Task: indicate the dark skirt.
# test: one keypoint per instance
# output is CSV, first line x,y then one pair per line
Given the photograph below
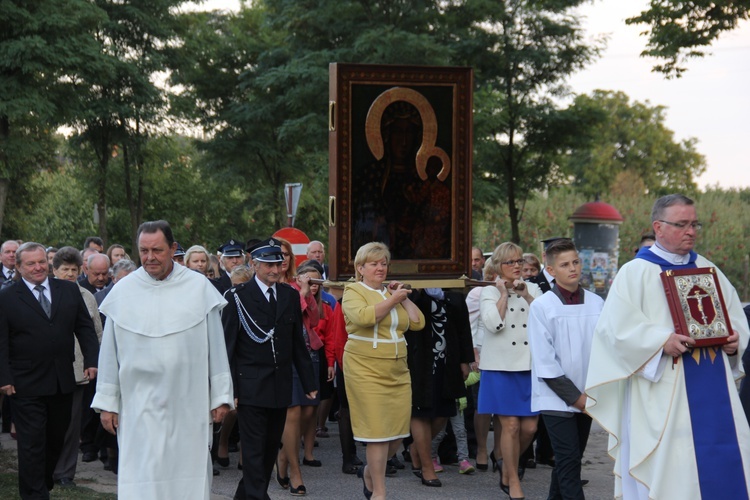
x,y
298,393
441,406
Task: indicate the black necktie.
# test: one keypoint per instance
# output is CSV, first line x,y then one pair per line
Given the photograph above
x,y
272,302
44,301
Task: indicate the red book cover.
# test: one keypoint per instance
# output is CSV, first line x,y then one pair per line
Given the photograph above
x,y
697,305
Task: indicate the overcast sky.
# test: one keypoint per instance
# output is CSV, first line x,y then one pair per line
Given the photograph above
x,y
710,102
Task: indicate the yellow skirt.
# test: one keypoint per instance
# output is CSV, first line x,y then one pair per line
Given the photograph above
x,y
379,393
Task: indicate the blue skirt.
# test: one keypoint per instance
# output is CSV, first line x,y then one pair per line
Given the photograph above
x,y
505,393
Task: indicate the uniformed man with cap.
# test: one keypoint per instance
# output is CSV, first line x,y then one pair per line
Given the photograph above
x,y
179,255
263,332
232,255
544,279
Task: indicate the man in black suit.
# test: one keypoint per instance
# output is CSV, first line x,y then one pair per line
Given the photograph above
x,y
97,277
8,258
317,251
263,332
544,280
232,256
38,318
477,263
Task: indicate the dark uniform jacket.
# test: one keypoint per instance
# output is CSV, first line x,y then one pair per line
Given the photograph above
x,y
541,281
223,282
259,378
36,352
459,349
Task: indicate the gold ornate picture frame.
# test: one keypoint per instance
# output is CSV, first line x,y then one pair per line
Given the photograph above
x,y
400,152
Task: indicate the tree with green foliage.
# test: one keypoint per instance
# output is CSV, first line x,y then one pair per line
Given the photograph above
x,y
630,138
521,51
122,101
45,47
175,186
679,30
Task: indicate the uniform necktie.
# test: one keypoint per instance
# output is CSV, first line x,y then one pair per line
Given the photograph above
x,y
10,274
43,300
272,302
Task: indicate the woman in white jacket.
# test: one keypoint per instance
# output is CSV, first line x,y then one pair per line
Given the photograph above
x,y
505,363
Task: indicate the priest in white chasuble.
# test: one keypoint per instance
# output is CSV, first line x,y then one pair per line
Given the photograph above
x,y
677,429
165,376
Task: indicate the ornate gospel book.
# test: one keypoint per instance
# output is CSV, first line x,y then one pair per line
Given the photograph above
x,y
697,305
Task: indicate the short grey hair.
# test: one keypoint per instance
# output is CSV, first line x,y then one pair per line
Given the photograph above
x,y
2,247
123,265
97,255
29,246
667,201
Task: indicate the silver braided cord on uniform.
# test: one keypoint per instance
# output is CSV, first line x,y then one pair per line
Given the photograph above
x,y
242,313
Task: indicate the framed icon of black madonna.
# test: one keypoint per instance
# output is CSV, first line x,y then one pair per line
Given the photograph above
x,y
400,153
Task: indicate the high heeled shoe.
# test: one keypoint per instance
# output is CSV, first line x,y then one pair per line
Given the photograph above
x,y
299,491
283,481
504,488
223,461
434,483
493,460
361,475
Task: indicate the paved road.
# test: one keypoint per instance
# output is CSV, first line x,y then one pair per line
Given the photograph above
x,y
327,482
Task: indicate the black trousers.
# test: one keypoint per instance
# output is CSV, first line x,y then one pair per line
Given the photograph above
x,y
568,436
260,435
41,423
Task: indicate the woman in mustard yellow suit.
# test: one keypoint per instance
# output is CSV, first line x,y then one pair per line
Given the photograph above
x,y
378,385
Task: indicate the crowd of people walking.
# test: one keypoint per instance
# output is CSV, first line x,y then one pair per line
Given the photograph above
x,y
163,370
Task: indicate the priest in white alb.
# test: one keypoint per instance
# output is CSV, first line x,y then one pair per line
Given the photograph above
x,y
164,373
677,429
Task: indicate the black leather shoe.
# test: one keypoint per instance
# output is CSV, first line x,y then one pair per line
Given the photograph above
x,y
357,461
417,471
504,488
394,461
390,470
89,456
65,482
299,491
349,469
216,472
311,463
584,482
223,461
434,483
